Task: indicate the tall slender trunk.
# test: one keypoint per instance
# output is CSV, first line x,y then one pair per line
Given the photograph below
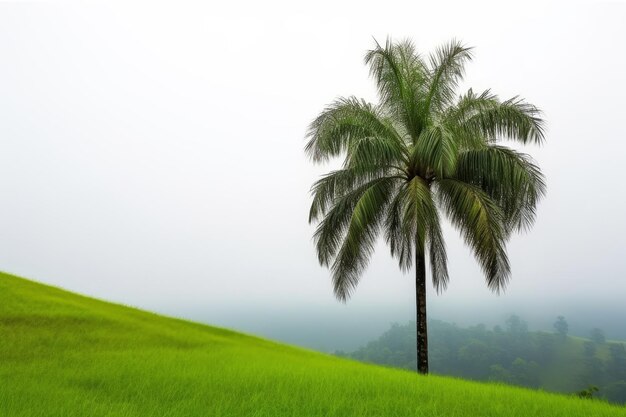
x,y
420,297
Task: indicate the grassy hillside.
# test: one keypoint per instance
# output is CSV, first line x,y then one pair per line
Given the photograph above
x,y
65,355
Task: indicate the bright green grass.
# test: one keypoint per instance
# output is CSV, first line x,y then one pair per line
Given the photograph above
x,y
65,355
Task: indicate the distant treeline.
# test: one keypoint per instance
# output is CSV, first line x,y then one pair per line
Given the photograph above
x,y
511,354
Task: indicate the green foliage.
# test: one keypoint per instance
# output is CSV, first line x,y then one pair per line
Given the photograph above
x,y
588,392
513,355
421,152
64,355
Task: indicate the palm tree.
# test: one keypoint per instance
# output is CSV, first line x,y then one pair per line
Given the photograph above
x,y
422,151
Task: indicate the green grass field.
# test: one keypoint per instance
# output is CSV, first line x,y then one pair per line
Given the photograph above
x,y
65,355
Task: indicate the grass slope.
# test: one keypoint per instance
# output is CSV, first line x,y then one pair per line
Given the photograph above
x,y
65,355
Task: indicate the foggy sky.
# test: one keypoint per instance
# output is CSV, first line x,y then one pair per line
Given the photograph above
x,y
152,154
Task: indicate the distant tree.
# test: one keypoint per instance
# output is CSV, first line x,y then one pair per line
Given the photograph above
x,y
587,392
561,326
516,325
597,335
421,153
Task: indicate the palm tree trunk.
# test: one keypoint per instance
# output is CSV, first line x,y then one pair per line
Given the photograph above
x,y
420,296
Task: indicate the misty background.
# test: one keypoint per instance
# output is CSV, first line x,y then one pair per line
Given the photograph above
x,y
152,154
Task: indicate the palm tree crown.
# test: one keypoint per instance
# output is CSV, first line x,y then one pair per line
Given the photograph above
x,y
421,152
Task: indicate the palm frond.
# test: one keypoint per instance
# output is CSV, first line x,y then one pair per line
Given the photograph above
x,y
336,184
358,243
412,222
400,75
399,236
330,232
438,256
447,68
480,222
371,152
486,116
510,178
419,210
345,123
436,150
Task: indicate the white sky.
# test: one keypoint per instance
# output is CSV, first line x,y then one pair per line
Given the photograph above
x,y
153,154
